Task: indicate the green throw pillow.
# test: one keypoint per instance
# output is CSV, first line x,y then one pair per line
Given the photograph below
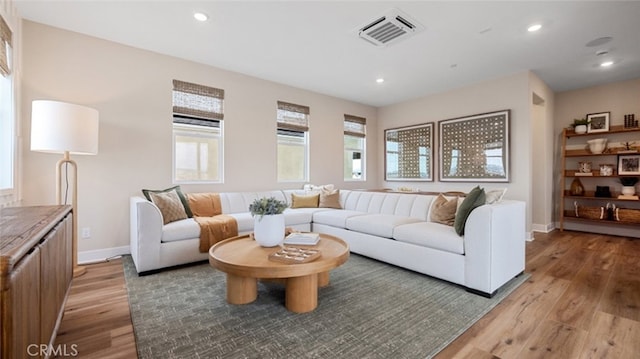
x,y
183,198
474,199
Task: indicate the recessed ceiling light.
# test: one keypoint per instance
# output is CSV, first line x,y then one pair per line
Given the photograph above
x,y
200,16
606,64
534,28
380,80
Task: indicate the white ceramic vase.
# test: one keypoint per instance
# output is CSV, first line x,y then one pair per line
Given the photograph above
x,y
579,129
268,230
628,190
597,145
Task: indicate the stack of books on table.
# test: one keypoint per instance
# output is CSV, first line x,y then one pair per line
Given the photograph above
x,y
300,238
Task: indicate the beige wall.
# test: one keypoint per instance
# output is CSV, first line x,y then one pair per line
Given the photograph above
x,y
542,158
619,98
131,88
507,93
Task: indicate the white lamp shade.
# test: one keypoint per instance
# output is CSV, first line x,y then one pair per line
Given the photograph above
x,y
58,127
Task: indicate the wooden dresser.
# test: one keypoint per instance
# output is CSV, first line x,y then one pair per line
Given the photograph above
x,y
35,276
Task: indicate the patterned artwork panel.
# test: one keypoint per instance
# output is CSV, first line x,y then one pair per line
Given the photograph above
x,y
475,148
409,153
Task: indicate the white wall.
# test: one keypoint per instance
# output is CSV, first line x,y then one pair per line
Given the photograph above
x,y
506,93
131,88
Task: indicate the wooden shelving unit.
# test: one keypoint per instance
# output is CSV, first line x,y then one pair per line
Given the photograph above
x,y
567,212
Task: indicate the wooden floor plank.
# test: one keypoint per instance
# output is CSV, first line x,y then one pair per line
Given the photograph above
x,y
554,340
580,302
622,295
613,337
507,336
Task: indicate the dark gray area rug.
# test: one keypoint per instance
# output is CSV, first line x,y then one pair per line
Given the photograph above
x,y
369,310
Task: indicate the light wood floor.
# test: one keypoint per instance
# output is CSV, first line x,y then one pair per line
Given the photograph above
x,y
582,301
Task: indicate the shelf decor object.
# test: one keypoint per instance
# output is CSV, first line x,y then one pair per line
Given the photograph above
x,y
409,153
577,189
475,148
59,127
579,125
597,145
629,164
598,122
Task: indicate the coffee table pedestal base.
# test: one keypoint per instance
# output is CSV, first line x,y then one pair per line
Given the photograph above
x,y
241,290
302,293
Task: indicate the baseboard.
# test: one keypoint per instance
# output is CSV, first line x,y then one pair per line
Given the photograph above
x,y
528,236
100,255
544,228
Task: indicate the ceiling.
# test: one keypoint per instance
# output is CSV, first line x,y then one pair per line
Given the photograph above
x,y
315,45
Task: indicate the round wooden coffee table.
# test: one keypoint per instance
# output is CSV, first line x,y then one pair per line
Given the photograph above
x,y
245,261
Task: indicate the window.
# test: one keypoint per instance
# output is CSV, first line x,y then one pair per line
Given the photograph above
x,y
197,133
7,115
293,142
354,145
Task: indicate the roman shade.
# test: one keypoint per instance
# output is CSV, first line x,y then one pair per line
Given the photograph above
x,y
292,117
195,104
5,44
354,125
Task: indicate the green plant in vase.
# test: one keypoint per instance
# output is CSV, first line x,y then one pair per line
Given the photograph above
x,y
579,125
628,185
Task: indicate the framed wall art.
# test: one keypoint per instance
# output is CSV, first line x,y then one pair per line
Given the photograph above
x,y
409,153
598,122
475,148
629,164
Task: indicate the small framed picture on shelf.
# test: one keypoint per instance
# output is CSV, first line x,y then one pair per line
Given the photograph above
x,y
598,122
629,165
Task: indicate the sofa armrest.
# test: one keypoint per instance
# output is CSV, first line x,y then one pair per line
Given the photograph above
x,y
145,234
494,244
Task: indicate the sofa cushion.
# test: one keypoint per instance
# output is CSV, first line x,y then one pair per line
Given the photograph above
x,y
180,230
430,234
244,221
169,205
183,198
330,199
299,215
305,201
381,225
475,198
336,218
443,211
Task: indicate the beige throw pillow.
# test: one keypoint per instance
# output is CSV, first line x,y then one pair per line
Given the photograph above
x,y
305,201
170,206
444,211
330,199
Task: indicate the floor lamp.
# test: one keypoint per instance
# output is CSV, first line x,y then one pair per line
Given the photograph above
x,y
59,127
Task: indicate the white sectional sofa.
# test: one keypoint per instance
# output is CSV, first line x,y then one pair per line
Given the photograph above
x,y
390,227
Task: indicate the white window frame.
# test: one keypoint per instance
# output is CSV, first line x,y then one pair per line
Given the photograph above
x,y
180,129
283,139
363,158
197,112
8,132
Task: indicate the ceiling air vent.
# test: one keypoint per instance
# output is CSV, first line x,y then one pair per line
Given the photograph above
x,y
389,28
